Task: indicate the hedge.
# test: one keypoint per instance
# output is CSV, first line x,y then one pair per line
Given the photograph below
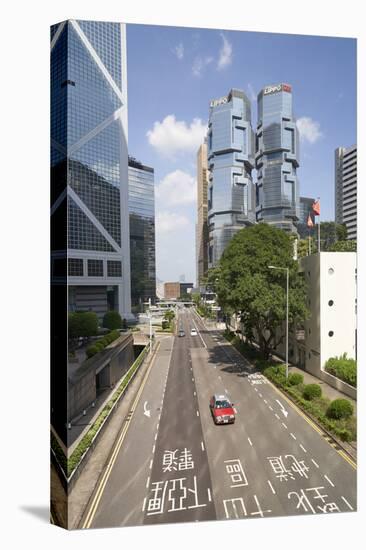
x,y
100,344
112,320
295,378
343,368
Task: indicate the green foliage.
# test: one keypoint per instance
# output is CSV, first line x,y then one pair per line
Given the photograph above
x,y
91,350
330,233
165,324
344,246
100,344
82,323
312,391
112,320
295,378
343,368
169,315
245,284
340,408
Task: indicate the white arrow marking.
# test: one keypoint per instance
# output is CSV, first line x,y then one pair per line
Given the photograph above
x,y
283,410
146,411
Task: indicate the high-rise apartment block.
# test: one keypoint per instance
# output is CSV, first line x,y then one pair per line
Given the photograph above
x,y
231,192
141,206
345,185
202,225
277,158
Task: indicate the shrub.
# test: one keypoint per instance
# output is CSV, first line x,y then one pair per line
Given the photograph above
x,y
340,408
295,378
82,323
312,391
165,324
112,320
344,368
91,350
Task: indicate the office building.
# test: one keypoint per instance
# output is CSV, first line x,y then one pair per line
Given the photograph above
x,y
277,158
305,210
201,226
346,189
172,290
89,162
230,154
141,206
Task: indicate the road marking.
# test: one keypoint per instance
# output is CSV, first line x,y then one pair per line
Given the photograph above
x,y
313,461
226,391
156,436
284,425
220,378
209,494
265,400
293,436
348,504
151,463
148,481
271,486
202,446
276,415
250,443
103,481
283,410
199,334
153,449
194,393
198,413
270,408
260,395
255,389
303,448
351,462
329,481
143,506
192,379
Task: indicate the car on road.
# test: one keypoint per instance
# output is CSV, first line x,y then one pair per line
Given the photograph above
x,y
181,332
193,332
222,409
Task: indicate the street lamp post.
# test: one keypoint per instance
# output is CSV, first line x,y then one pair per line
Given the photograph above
x,y
287,278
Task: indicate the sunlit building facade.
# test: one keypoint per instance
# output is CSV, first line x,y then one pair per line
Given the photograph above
x,y
230,153
277,158
201,226
346,189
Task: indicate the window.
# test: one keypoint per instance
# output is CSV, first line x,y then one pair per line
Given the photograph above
x,y
95,268
330,271
330,303
75,266
114,268
330,333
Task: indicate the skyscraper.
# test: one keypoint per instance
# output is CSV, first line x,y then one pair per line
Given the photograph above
x,y
231,193
89,162
305,210
345,185
142,233
277,158
201,227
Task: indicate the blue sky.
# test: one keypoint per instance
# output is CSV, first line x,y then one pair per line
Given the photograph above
x,y
174,72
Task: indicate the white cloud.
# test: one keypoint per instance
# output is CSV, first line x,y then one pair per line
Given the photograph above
x,y
200,63
171,137
226,53
309,129
166,222
179,51
176,188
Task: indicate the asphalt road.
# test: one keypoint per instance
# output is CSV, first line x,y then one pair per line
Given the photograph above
x,y
172,464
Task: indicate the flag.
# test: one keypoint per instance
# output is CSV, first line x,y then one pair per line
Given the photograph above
x,y
316,207
310,223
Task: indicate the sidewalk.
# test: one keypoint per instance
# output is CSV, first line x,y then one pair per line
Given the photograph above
x,y
85,485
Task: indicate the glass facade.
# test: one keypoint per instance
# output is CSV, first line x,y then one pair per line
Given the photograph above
x,y
141,205
89,159
231,193
277,158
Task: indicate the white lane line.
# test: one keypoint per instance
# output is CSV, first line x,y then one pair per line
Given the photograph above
x,y
148,481
144,504
284,425
209,494
255,389
276,415
153,449
194,393
329,481
198,413
226,391
220,378
293,436
271,486
199,334
265,400
260,395
202,446
348,504
303,448
156,436
270,408
151,463
313,461
192,379
250,443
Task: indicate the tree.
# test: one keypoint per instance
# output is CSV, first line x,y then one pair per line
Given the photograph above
x,y
112,320
330,233
245,285
344,246
303,247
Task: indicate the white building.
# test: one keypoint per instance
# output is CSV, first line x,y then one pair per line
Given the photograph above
x,y
331,329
